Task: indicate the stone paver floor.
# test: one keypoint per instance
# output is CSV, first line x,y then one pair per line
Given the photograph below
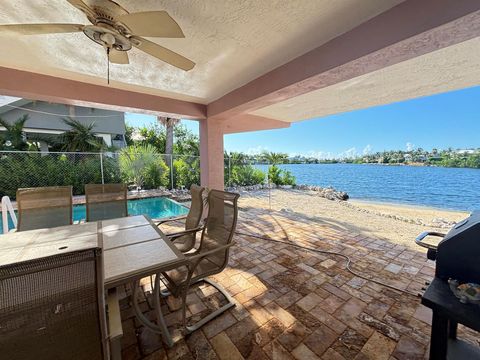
x,y
293,303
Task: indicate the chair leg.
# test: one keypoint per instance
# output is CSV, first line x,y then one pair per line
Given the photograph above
x,y
230,303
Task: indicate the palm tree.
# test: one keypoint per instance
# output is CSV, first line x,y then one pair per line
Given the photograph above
x,y
14,137
136,161
169,124
81,137
275,158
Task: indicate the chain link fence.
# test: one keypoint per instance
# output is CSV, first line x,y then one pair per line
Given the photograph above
x,y
22,169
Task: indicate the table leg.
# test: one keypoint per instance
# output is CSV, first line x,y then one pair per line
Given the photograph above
x,y
452,329
161,327
439,337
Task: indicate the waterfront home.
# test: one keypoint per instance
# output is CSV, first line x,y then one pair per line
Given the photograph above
x,y
237,66
45,119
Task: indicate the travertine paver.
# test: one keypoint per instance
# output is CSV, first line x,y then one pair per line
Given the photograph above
x,y
293,303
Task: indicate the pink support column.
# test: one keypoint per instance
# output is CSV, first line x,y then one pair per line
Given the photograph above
x,y
211,153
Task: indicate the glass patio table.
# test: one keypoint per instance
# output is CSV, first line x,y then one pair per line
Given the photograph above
x,y
133,248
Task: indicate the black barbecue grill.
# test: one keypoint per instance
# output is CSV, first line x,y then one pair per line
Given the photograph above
x,y
457,257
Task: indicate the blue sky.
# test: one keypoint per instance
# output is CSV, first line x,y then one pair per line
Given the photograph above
x,y
440,121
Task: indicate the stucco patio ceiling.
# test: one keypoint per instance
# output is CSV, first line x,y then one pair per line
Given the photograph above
x,y
232,42
447,69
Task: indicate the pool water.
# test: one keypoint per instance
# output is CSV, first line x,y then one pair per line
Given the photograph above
x,y
155,207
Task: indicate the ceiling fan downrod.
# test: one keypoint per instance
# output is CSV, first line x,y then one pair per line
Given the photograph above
x,y
108,42
108,65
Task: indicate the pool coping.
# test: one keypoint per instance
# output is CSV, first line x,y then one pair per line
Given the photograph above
x,y
136,195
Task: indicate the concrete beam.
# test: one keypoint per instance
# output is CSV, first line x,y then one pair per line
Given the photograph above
x,y
408,30
246,122
53,89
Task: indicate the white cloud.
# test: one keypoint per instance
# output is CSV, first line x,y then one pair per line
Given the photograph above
x,y
367,149
320,155
348,154
256,150
410,146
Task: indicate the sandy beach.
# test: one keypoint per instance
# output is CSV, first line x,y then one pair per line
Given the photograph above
x,y
397,223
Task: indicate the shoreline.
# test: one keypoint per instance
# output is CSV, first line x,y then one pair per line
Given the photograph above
x,y
367,202
398,224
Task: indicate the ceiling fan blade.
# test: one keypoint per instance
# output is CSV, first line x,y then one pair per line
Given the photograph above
x,y
35,29
162,53
152,24
118,57
80,5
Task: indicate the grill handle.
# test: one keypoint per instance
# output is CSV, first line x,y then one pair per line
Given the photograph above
x,y
422,236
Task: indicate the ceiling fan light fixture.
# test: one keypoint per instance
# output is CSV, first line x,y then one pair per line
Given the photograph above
x,y
108,39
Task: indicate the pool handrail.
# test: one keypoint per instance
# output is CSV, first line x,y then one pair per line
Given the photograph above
x,y
7,209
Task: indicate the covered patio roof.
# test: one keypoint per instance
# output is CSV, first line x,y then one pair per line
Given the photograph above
x,y
259,65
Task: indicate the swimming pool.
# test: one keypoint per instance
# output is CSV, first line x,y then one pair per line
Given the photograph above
x,y
155,207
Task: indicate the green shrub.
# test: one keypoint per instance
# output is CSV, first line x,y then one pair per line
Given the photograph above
x,y
278,176
186,173
287,178
275,175
246,175
34,170
142,166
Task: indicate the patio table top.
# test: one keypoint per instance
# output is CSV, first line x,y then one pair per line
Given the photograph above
x,y
133,247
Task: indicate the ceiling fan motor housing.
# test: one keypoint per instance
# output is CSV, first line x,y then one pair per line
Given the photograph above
x,y
105,30
107,37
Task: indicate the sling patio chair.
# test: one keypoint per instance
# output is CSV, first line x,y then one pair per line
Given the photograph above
x,y
44,207
106,201
211,257
53,307
185,240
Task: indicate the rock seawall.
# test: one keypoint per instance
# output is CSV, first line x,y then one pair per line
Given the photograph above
x,y
328,193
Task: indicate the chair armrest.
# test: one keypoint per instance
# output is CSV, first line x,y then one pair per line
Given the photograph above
x,y
160,222
174,236
115,330
199,256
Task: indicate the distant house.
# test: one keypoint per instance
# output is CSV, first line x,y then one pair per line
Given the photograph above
x,y
46,119
466,151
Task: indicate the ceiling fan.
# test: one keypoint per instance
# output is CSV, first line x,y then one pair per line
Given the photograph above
x,y
117,31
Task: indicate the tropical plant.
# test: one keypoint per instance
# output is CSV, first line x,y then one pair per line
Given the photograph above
x,y
287,178
81,137
186,142
13,138
32,169
143,166
246,175
274,175
274,158
186,172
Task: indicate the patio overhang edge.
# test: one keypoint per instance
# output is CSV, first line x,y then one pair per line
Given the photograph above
x,y
36,86
380,42
247,122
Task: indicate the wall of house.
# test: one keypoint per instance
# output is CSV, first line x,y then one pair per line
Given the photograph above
x,y
113,124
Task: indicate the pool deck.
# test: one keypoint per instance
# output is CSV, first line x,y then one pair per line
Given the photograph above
x,y
297,304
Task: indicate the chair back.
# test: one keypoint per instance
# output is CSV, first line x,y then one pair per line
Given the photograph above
x,y
220,225
194,215
44,207
53,308
106,201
